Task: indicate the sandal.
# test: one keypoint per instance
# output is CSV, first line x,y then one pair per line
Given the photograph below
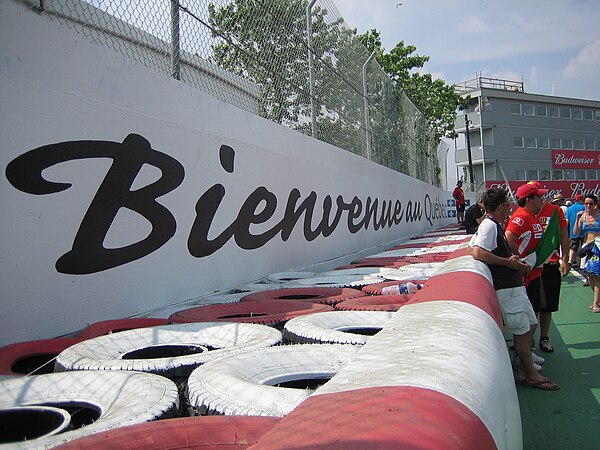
x,y
544,384
596,309
545,345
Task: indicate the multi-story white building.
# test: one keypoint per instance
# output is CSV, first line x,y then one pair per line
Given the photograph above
x,y
515,137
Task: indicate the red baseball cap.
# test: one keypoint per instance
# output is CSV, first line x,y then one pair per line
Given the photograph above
x,y
579,198
531,188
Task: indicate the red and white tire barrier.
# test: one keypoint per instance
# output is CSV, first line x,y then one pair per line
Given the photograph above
x,y
437,376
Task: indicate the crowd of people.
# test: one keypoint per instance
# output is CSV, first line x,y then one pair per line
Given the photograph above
x,y
527,266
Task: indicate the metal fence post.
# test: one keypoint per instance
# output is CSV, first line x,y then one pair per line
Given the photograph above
x,y
175,51
311,69
366,103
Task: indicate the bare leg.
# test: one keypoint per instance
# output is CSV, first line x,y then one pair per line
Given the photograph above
x,y
522,347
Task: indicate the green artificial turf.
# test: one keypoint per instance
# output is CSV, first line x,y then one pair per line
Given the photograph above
x,y
570,417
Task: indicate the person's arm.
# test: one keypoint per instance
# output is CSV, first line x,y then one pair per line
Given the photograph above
x,y
564,251
578,223
511,238
488,257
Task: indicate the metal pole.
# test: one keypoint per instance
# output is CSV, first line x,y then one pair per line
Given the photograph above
x,y
311,69
366,103
472,179
175,51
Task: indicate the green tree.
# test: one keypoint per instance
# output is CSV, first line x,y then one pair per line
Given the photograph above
x,y
434,98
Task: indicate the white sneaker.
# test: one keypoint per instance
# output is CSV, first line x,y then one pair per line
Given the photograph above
x,y
537,359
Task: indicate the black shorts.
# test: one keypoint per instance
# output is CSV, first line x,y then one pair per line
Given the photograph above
x,y
533,292
550,288
460,208
575,243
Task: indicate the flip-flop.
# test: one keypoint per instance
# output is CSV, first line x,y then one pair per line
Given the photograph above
x,y
545,384
596,310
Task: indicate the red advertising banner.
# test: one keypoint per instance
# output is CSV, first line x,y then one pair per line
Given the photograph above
x,y
568,189
575,159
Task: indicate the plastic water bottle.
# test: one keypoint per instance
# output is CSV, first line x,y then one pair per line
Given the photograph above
x,y
403,288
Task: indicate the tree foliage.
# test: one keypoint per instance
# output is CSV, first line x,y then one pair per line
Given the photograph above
x,y
434,98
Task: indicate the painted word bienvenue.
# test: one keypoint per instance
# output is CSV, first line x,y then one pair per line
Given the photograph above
x,y
88,254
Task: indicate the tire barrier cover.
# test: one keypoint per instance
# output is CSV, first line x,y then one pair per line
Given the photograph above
x,y
376,289
336,327
33,357
381,262
374,303
247,384
170,350
205,433
366,264
113,399
380,418
334,281
468,287
326,295
284,277
261,312
114,326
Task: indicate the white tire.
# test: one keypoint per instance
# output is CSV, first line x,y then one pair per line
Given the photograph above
x,y
334,281
113,352
335,327
284,277
245,384
116,398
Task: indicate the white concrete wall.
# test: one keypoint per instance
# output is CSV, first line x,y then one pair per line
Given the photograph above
x,y
58,90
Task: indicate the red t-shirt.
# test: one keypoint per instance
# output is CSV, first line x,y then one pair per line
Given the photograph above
x,y
458,195
529,231
544,217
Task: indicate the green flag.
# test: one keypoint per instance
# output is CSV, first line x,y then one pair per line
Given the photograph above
x,y
550,241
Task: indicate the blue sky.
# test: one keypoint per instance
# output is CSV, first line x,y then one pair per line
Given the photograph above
x,y
553,46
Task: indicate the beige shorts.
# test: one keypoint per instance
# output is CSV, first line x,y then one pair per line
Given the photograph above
x,y
517,311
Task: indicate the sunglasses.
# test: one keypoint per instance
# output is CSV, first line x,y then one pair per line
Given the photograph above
x,y
589,203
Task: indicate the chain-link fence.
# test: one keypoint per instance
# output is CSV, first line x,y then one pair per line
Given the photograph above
x,y
292,61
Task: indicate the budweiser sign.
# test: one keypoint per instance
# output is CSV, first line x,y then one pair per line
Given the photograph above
x,y
568,189
575,159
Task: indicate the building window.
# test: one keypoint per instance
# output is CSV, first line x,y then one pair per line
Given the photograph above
x,y
530,142
543,142
553,111
565,113
518,142
555,144
532,175
590,145
577,114
567,144
545,175
557,175
592,175
579,144
569,174
580,174
520,175
597,114
541,111
588,114
528,109
515,108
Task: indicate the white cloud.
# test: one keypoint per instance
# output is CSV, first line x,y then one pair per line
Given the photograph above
x,y
473,25
586,64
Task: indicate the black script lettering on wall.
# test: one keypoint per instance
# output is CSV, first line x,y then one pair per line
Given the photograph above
x,y
88,254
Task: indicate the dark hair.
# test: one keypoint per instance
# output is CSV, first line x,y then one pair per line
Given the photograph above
x,y
592,196
493,198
